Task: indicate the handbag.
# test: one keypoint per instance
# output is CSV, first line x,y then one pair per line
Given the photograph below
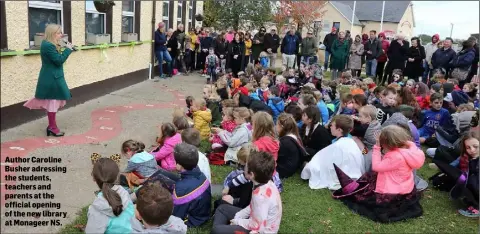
x,y
459,73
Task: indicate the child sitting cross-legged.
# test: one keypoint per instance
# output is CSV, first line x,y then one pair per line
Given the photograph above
x,y
192,193
192,136
112,211
164,151
263,90
237,188
140,166
154,211
436,116
368,116
228,124
264,213
275,103
201,118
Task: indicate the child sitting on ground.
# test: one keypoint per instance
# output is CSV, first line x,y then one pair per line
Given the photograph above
x,y
436,116
240,136
213,103
252,90
112,211
387,105
189,100
263,89
163,153
237,190
140,166
192,136
265,211
242,87
368,116
397,75
275,103
223,90
192,193
346,108
154,211
202,117
282,87
228,124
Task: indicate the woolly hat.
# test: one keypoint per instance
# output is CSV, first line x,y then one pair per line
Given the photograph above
x,y
349,186
436,87
372,86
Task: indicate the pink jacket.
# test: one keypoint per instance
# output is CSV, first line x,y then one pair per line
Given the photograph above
x,y
165,155
395,169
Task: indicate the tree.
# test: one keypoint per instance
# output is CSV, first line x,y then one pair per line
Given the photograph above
x,y
237,14
424,38
303,13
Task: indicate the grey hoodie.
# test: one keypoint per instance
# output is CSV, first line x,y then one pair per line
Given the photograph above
x,y
174,225
100,212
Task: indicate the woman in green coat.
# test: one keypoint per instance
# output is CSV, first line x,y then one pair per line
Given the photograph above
x,y
340,49
52,91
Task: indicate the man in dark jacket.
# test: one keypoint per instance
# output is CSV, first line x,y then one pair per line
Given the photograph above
x,y
206,41
443,56
397,55
309,48
474,68
373,50
179,34
271,42
328,41
298,33
257,43
161,49
289,48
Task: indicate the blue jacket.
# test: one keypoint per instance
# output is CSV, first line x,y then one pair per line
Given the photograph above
x,y
255,96
206,42
160,40
290,44
441,58
432,119
463,59
192,198
277,105
323,112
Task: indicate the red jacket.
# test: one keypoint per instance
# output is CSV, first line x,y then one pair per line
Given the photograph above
x,y
385,45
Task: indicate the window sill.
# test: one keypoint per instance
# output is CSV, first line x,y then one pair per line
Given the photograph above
x,y
7,53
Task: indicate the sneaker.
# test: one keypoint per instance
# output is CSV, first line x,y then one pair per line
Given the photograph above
x,y
470,212
433,166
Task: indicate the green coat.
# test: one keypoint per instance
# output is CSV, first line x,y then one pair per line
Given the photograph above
x,y
51,80
339,55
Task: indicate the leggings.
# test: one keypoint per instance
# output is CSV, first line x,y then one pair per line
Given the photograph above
x,y
221,220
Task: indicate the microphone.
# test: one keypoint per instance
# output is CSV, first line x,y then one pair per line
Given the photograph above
x,y
65,41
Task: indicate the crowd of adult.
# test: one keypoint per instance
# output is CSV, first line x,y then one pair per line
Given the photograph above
x,y
382,56
187,52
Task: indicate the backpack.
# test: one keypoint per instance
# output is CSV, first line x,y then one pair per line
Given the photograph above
x,y
264,62
212,61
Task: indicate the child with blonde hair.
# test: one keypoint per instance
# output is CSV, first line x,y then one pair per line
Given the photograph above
x,y
202,117
282,86
263,90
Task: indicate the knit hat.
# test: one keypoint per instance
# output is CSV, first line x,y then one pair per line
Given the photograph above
x,y
459,98
436,36
349,186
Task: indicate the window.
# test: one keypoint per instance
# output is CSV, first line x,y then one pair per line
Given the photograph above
x,y
190,11
128,16
337,26
166,13
95,22
3,27
42,13
179,12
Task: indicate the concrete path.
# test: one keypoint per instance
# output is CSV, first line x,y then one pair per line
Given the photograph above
x,y
100,125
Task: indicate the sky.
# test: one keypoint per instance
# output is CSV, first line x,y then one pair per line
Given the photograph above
x,y
435,17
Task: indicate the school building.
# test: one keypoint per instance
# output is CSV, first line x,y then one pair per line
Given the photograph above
x,y
115,47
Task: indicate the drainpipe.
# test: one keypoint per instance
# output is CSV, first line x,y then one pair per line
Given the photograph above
x,y
152,60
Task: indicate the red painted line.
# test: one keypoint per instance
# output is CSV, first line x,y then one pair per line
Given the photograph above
x,y
106,125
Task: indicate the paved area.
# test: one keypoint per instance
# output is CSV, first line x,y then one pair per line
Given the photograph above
x,y
99,125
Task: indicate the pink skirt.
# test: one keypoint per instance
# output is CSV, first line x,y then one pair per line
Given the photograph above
x,y
51,105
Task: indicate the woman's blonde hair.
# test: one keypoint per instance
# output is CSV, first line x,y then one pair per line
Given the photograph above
x,y
262,125
50,34
393,136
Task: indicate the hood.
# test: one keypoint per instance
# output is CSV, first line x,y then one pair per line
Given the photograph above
x,y
244,101
267,144
381,35
413,156
437,37
276,100
395,119
447,88
101,204
459,97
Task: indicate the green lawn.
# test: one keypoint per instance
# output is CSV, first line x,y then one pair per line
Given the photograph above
x,y
315,211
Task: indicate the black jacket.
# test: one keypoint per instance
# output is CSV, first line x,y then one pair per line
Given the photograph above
x,y
397,54
271,42
319,139
415,68
290,156
328,41
172,43
255,105
375,47
221,48
441,58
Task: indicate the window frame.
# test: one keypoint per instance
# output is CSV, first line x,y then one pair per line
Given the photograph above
x,y
190,12
129,14
46,5
166,18
3,34
95,12
179,17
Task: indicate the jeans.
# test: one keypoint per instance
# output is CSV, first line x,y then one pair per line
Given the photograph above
x,y
371,67
426,71
327,57
163,55
222,217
